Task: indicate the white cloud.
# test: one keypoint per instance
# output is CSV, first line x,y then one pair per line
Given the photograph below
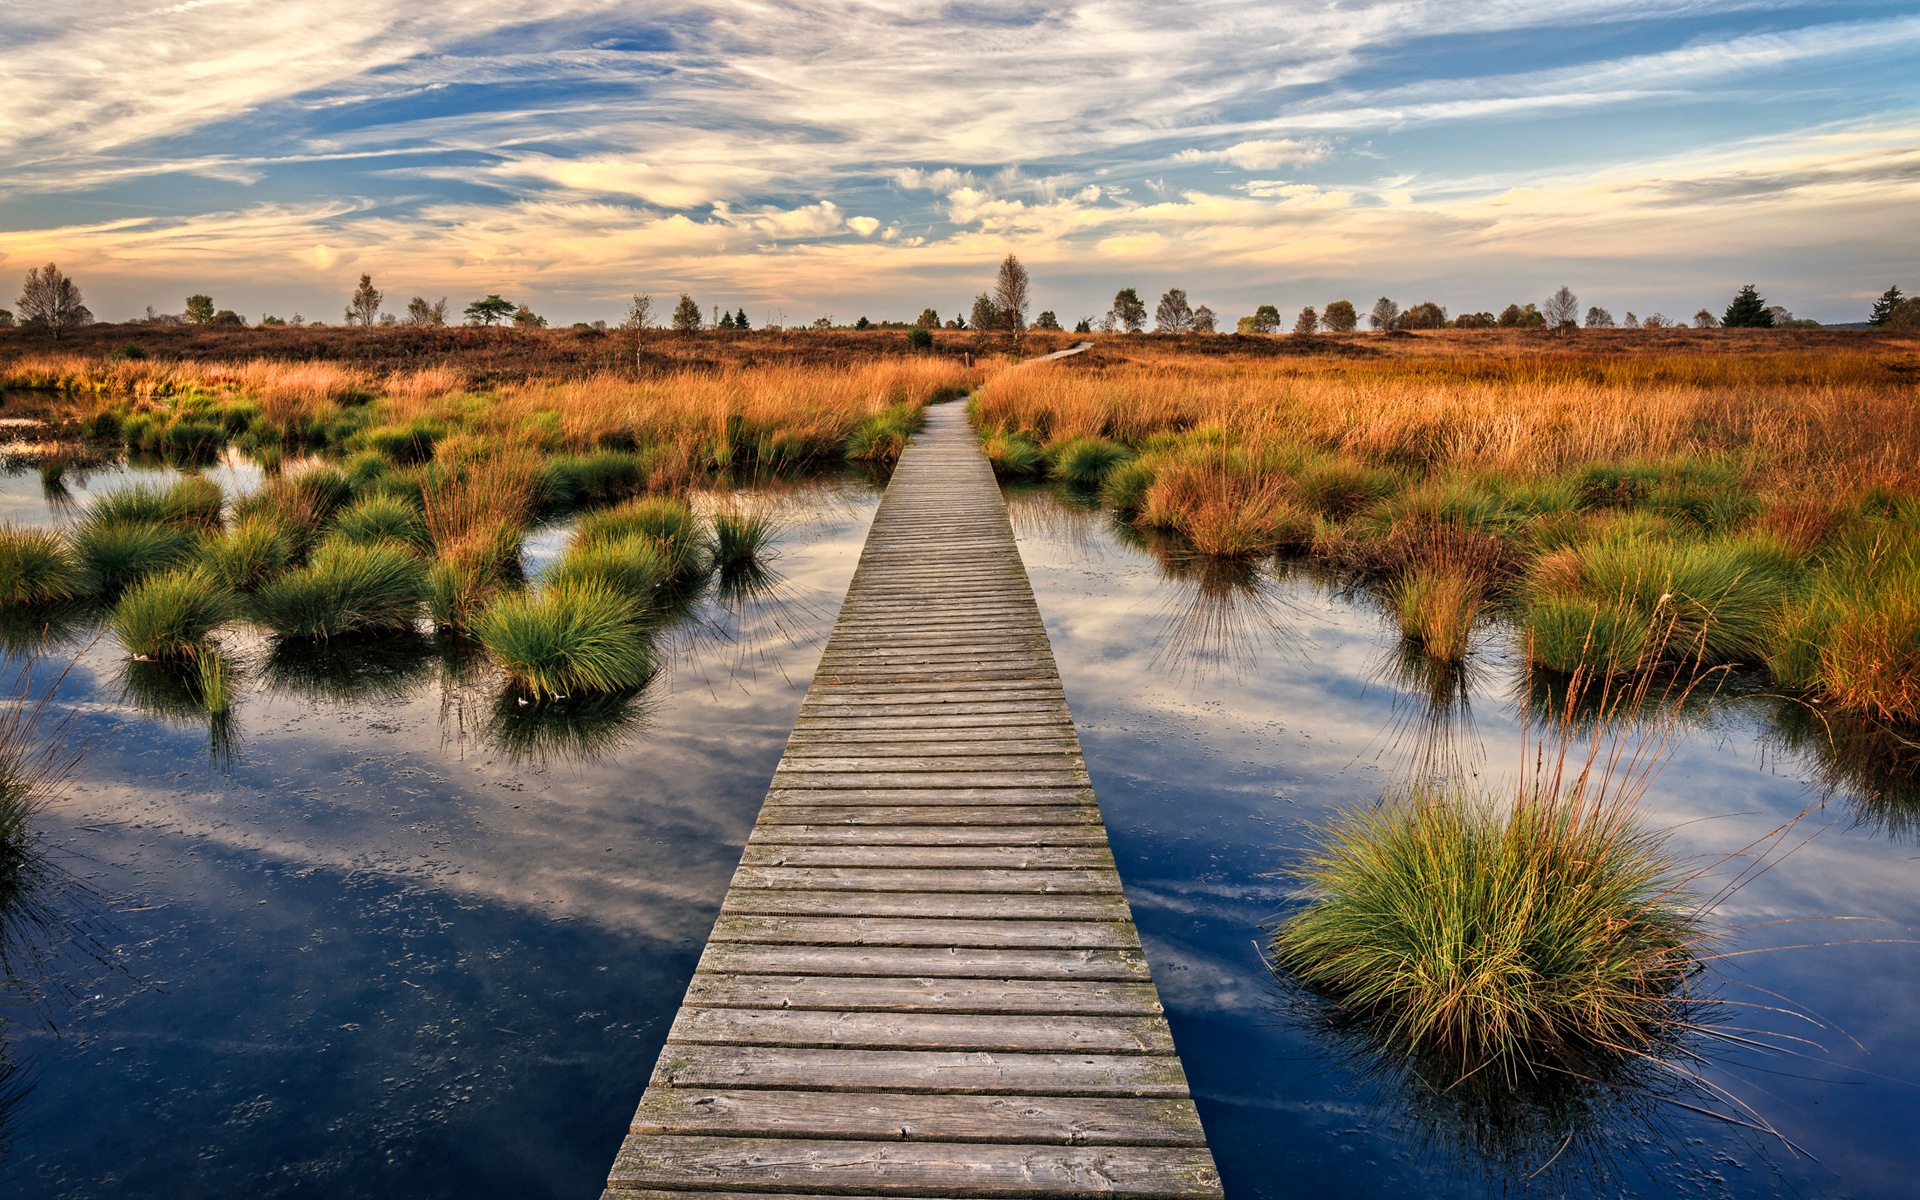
x,y
864,226
1262,155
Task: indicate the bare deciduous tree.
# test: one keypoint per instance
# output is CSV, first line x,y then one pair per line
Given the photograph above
x,y
419,312
1599,318
1385,313
1307,322
1012,294
639,313
1173,314
51,301
1562,309
1204,320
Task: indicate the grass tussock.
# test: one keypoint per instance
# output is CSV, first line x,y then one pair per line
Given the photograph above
x,y
117,554
668,522
37,567
578,638
168,617
190,503
1510,937
1086,461
347,588
1438,609
254,550
383,519
740,539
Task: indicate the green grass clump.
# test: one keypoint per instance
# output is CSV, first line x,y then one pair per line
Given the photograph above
x,y
1712,601
576,638
602,477
1014,456
348,587
1498,938
666,520
1437,610
635,566
116,554
469,574
1854,638
1087,461
192,503
404,444
740,539
881,438
382,519
302,504
36,567
253,551
168,616
1568,634
1125,487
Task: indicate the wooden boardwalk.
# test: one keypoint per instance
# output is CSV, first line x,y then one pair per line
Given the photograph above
x,y
925,980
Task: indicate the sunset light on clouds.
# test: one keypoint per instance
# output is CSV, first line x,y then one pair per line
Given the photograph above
x,y
806,159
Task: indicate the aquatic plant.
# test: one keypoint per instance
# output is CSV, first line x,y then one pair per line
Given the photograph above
x,y
36,567
412,442
666,520
1437,610
253,550
1507,936
1125,487
635,566
740,538
347,587
576,638
1014,456
1086,461
169,615
300,504
382,519
192,502
601,477
117,553
469,574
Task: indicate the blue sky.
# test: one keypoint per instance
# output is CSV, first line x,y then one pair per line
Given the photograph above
x,y
805,159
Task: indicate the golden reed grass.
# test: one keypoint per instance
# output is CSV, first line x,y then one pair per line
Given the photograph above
x,y
1820,423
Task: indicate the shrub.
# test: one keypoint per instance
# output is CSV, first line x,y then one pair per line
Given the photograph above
x,y
192,503
1499,937
169,615
1086,462
118,553
383,519
252,552
577,638
348,587
36,567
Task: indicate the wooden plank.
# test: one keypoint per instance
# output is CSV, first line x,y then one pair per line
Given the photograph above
x,y
1011,858
884,879
954,1072
1002,906
942,931
1075,1033
724,958
942,834
953,817
923,994
903,1116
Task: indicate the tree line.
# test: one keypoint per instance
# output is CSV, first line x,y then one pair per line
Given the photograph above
x,y
51,302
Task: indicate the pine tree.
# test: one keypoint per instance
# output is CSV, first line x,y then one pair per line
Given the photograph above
x,y
1884,306
726,321
1748,310
740,319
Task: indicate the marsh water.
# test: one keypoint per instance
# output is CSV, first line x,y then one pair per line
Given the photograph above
x,y
384,932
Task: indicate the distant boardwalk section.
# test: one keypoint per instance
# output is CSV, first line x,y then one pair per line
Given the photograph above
x,y
925,980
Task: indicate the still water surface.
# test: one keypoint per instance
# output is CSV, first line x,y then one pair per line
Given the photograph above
x,y
385,936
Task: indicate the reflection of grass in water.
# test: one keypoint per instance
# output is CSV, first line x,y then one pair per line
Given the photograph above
x,y
580,729
1433,712
41,631
195,693
1873,766
1219,614
345,670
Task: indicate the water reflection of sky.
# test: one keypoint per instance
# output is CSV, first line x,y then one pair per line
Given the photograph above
x,y
401,943
1211,764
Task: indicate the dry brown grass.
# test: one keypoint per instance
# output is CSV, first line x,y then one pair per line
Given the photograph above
x,y
1822,422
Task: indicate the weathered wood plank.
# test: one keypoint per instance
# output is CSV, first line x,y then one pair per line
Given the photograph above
x,y
914,879
923,994
1075,1033
1012,858
840,930
956,1072
906,1117
725,958
955,817
972,834
999,906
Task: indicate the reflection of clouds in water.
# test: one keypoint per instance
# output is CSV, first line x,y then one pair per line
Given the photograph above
x,y
28,501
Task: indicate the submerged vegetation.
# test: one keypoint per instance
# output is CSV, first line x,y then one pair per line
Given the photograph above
x,y
1751,509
